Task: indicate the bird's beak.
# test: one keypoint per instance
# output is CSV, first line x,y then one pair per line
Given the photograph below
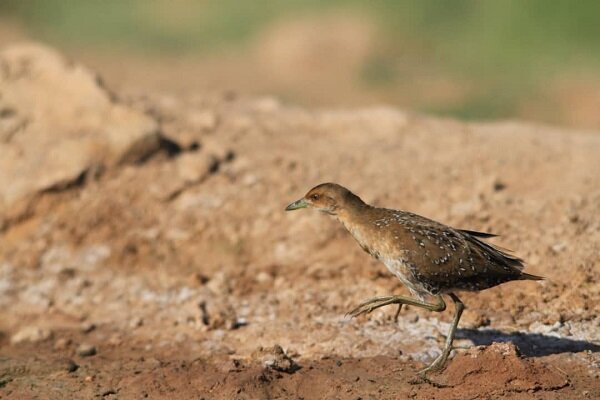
x,y
297,205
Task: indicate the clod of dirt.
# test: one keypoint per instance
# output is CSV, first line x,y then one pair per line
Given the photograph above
x,y
68,365
276,359
193,167
62,344
499,185
86,350
499,369
31,334
136,322
216,315
87,327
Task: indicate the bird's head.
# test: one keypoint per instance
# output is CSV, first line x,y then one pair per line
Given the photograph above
x,y
329,198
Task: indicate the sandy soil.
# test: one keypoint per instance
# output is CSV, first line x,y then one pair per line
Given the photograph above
x,y
169,277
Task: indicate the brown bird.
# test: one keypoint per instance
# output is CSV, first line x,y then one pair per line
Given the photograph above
x,y
430,258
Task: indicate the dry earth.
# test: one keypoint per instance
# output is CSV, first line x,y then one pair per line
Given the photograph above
x,y
145,253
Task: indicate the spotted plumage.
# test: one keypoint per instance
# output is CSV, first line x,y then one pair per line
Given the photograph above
x,y
428,257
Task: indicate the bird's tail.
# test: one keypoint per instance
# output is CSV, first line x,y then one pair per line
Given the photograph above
x,y
526,276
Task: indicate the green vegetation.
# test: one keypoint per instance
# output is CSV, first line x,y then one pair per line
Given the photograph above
x,y
508,47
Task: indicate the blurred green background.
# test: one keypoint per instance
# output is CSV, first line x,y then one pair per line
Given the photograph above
x,y
530,59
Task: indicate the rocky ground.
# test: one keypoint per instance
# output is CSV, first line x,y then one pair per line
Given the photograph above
x,y
144,250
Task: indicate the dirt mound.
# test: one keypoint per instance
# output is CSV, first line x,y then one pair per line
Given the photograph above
x,y
57,123
497,370
177,265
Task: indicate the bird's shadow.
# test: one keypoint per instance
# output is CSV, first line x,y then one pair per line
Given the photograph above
x,y
529,344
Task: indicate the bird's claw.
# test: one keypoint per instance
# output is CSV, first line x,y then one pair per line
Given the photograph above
x,y
360,310
369,306
436,365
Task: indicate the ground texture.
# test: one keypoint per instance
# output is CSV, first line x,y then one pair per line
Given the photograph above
x,y
144,250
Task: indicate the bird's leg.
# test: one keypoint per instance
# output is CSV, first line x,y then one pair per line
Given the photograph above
x,y
376,302
439,362
397,313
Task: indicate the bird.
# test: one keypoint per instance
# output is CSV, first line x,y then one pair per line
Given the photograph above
x,y
431,259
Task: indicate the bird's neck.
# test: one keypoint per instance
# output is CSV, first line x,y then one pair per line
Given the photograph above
x,y
353,214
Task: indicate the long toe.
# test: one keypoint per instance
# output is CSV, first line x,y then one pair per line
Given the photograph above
x,y
436,365
369,305
361,309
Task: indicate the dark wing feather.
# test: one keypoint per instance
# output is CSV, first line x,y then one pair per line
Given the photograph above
x,y
477,234
497,254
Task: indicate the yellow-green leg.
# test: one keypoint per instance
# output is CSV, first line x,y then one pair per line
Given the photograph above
x,y
381,301
439,362
376,302
397,313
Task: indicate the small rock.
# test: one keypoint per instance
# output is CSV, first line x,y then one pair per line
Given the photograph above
x,y
250,180
238,323
220,283
115,340
499,185
86,350
263,277
31,334
198,279
62,344
193,167
556,326
69,365
107,391
87,327
506,349
136,322
275,358
558,247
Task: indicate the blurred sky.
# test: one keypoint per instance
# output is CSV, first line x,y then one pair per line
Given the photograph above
x,y
529,59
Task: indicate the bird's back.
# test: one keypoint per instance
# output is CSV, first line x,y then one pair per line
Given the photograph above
x,y
431,257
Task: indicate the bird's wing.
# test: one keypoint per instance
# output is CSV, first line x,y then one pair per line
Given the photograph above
x,y
448,258
477,234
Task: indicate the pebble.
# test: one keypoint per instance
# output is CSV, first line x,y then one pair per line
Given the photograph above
x,y
275,358
86,350
263,277
87,327
193,167
499,185
115,340
136,322
69,365
62,344
558,247
107,391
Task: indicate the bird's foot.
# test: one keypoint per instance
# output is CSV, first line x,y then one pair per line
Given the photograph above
x,y
436,365
372,304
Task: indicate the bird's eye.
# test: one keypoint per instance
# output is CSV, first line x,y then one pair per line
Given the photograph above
x,y
315,197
